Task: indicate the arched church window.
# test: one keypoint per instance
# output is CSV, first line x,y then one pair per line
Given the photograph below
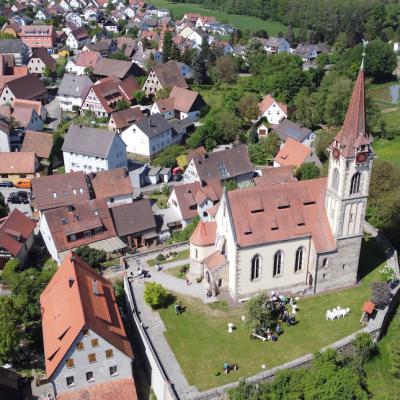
x,y
335,179
355,183
277,263
299,259
255,267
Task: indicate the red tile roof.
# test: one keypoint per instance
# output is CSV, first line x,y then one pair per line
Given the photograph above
x,y
40,143
169,75
204,234
18,163
69,305
294,210
15,230
121,389
354,131
88,58
267,102
125,118
292,153
111,183
275,175
215,261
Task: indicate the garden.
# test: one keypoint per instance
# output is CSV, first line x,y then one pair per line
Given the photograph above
x,y
201,342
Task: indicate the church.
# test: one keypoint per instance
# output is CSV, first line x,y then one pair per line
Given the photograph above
x,y
294,236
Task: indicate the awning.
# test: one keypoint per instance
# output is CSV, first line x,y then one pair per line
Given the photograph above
x,y
150,235
108,245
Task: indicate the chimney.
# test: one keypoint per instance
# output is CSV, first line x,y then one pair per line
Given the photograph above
x,y
95,288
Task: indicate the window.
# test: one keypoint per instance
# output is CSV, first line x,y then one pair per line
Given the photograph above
x,y
89,376
70,363
80,346
109,353
70,381
255,267
335,179
355,183
74,191
72,237
113,370
87,234
196,253
277,264
95,342
299,260
54,195
92,358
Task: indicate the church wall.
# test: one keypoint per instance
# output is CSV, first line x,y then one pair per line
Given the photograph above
x,y
266,281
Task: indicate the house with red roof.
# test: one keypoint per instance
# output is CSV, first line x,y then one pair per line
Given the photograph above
x,y
16,237
86,348
288,235
272,110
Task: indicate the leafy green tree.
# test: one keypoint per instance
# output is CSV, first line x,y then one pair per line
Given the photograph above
x,y
93,257
122,105
308,170
364,346
258,315
60,66
254,49
9,334
226,68
199,69
167,157
323,140
140,97
156,296
163,93
248,106
305,104
118,55
265,150
167,47
10,270
230,184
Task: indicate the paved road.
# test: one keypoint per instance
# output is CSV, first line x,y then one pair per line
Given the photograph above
x,y
24,208
53,114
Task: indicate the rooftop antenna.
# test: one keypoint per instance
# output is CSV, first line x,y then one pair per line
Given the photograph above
x,y
365,42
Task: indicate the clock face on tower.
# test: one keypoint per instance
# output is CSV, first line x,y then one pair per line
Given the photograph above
x,y
361,157
336,153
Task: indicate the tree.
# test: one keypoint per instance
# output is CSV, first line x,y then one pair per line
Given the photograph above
x,y
167,47
60,66
260,315
9,337
248,106
305,104
228,125
10,270
3,206
265,150
167,157
163,93
323,140
93,257
226,68
122,105
199,69
156,296
140,97
364,346
254,49
230,184
119,55
306,171
47,72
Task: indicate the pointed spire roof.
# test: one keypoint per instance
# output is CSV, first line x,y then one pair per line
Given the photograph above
x,y
354,130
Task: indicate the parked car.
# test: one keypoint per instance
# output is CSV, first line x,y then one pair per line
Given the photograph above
x,y
177,178
23,184
8,184
18,198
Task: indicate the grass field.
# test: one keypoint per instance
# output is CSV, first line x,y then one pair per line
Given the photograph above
x,y
241,22
388,150
201,343
379,379
177,271
181,255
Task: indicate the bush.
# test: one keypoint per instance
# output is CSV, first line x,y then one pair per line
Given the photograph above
x,y
92,256
10,270
389,274
160,257
307,171
381,294
156,296
364,346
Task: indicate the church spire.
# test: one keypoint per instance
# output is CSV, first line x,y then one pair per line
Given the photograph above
x,y
354,131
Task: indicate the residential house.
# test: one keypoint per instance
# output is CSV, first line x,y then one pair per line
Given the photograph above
x,y
195,199
92,150
87,353
82,62
28,87
59,190
111,26
181,103
135,223
15,48
148,136
79,224
120,120
294,154
104,95
274,45
142,57
38,36
37,105
90,13
287,128
14,386
107,67
113,185
9,71
272,110
26,116
202,20
77,39
310,52
40,60
40,143
16,166
229,164
11,28
164,76
16,237
75,18
73,91
191,17
186,70
105,46
42,15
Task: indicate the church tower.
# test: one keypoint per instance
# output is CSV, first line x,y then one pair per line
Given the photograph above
x,y
350,164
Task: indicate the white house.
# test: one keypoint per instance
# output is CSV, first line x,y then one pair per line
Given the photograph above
x,y
77,39
79,64
75,18
4,136
85,347
73,90
90,150
274,45
41,15
272,110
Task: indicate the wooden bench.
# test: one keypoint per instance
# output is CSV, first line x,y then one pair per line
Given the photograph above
x,y
259,337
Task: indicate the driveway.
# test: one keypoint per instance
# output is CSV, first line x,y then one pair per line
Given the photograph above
x,y
24,208
53,114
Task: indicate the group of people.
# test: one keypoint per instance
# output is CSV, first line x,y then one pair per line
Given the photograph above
x,y
230,367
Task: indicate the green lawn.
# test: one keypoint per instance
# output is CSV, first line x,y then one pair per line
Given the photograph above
x,y
201,343
181,255
379,379
177,271
241,22
160,198
388,150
